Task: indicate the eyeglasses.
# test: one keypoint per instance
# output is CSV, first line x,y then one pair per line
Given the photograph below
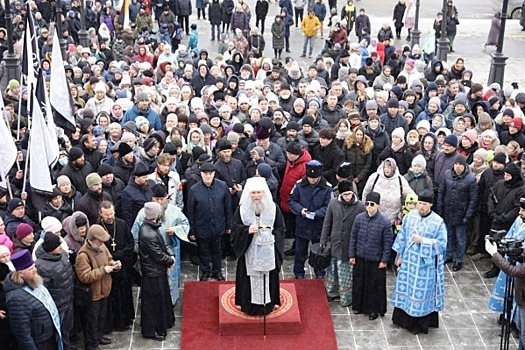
x,y
370,204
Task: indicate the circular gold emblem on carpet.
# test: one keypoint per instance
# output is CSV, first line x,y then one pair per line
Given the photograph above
x,y
228,303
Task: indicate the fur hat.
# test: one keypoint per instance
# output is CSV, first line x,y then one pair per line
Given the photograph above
x,y
373,197
294,148
97,232
345,186
314,169
22,260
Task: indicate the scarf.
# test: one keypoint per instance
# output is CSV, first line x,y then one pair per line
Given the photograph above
x,y
397,148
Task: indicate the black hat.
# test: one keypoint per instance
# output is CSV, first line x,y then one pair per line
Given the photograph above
x,y
159,190
292,126
196,152
13,204
207,168
141,169
314,169
308,120
3,192
345,170
223,144
514,170
148,143
51,242
123,149
426,196
345,186
218,95
75,153
204,158
81,220
238,128
104,169
170,148
373,197
55,193
344,53
294,148
460,159
500,157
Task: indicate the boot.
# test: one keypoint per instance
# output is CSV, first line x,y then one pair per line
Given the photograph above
x,y
493,272
291,251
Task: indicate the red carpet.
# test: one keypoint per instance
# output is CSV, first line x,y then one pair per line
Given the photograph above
x,y
200,321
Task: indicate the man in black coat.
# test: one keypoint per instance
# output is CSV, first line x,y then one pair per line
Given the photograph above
x,y
90,201
261,11
52,263
136,193
328,154
111,185
125,163
77,169
23,289
91,154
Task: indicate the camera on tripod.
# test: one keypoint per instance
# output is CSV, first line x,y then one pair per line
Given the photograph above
x,y
510,247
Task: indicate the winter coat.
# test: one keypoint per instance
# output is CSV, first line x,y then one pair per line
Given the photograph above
x,y
274,152
150,114
11,223
392,196
239,20
77,175
57,274
371,237
494,31
331,157
360,23
214,13
133,198
420,182
310,26
123,171
293,173
198,81
200,4
73,239
261,8
89,267
485,185
208,209
392,122
457,197
399,13
319,10
442,163
114,190
90,204
154,255
30,321
183,7
278,32
403,157
359,155
60,213
337,225
504,203
332,116
315,198
381,140
227,7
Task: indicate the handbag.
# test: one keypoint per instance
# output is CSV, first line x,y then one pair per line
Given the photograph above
x,y
319,257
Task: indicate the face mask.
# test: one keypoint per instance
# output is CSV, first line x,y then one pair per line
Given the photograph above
x,y
63,161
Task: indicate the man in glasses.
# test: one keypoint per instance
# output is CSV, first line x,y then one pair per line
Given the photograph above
x,y
369,252
420,285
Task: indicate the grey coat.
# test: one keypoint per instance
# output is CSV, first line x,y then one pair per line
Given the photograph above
x,y
338,223
278,31
494,30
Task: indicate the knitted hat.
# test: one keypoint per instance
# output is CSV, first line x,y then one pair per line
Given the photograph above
x,y
142,96
435,100
420,161
509,112
513,169
294,148
345,186
471,134
451,140
238,128
13,204
104,169
13,84
75,153
51,242
62,180
22,260
314,169
493,100
128,137
292,126
140,120
460,159
141,169
93,179
517,123
97,232
393,103
264,170
482,153
371,104
206,129
51,224
81,220
152,210
500,158
308,120
233,137
23,230
148,143
373,197
299,102
399,132
425,124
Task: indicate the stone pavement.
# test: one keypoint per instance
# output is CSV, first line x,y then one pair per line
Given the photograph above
x,y
465,324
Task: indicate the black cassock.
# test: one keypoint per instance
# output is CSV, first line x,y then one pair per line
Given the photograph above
x,y
240,241
121,311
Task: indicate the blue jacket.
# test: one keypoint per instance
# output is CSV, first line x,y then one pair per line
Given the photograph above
x,y
133,198
319,10
457,197
149,114
193,41
209,209
30,321
391,123
371,237
315,199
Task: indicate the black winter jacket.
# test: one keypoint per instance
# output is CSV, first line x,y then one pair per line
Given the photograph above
x,y
77,175
331,156
403,157
371,237
90,202
30,321
486,182
133,199
504,203
154,256
457,197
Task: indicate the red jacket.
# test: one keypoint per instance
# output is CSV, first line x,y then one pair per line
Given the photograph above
x,y
294,172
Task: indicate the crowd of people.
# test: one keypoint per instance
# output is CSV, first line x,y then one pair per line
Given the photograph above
x,y
394,159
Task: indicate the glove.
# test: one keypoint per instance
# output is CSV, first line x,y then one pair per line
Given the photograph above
x,y
491,247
